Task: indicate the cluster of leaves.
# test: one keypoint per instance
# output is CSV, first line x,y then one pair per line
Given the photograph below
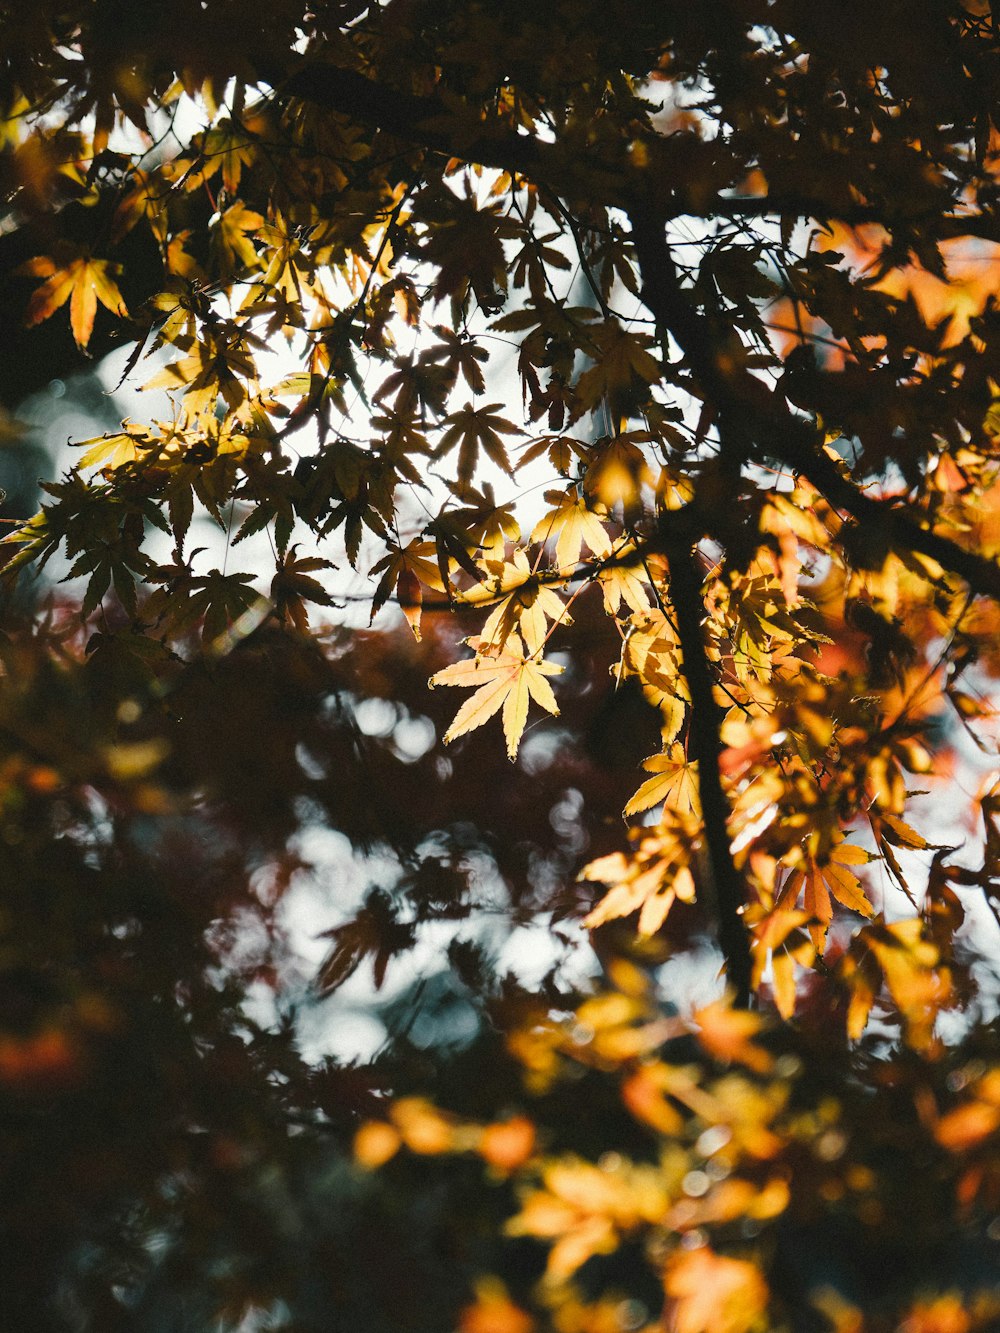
x,y
755,1181
328,228
727,254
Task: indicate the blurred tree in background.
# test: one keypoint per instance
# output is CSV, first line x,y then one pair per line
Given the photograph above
x,y
646,359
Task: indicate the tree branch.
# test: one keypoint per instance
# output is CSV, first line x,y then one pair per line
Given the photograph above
x,y
900,532
775,432
947,226
704,746
458,130
455,129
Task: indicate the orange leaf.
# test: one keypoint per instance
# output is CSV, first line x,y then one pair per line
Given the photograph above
x,y
820,880
967,1126
83,282
727,1035
507,1144
494,1312
714,1294
375,1143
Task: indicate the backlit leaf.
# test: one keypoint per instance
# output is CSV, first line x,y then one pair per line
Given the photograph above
x,y
505,680
675,784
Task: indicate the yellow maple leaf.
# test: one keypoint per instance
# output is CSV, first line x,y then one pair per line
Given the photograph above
x,y
649,880
573,524
909,963
586,1209
213,369
406,569
524,605
505,679
675,784
617,473
83,282
778,937
650,652
728,1034
231,238
621,583
117,448
900,955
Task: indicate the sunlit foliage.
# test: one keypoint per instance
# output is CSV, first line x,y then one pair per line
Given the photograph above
x,y
655,348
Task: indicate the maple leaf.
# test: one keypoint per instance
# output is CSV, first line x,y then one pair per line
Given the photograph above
x,y
727,1034
39,539
471,428
585,1208
453,544
226,148
779,937
650,892
649,881
623,362
375,931
819,880
561,450
415,387
223,600
621,583
573,524
118,448
525,605
110,563
650,652
505,679
288,266
406,569
610,258
231,233
213,369
81,280
489,524
536,256
890,832
711,1293
457,354
617,472
293,586
466,248
901,955
675,783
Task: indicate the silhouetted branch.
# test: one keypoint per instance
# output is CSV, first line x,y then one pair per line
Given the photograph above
x,y
454,130
946,226
773,431
704,747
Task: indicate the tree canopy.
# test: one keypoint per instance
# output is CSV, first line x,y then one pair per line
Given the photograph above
x,y
646,359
